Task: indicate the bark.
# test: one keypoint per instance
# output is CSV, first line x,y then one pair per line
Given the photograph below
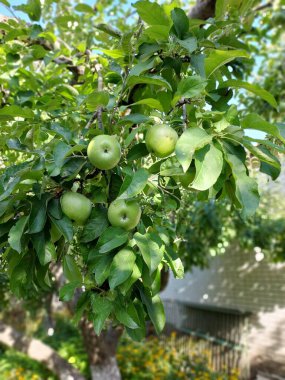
x,y
101,351
38,351
203,9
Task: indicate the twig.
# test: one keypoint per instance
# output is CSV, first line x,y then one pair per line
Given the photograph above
x,y
92,119
264,6
12,12
98,68
184,111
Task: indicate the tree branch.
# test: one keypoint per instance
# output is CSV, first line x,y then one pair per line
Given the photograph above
x,y
263,6
92,119
203,10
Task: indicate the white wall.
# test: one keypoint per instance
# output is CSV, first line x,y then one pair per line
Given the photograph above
x,y
236,280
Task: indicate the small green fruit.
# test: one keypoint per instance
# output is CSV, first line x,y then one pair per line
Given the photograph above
x,y
161,140
76,206
104,152
124,214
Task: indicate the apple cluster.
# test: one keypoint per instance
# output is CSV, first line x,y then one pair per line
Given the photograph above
x,y
104,152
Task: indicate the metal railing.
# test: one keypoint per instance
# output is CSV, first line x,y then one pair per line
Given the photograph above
x,y
221,332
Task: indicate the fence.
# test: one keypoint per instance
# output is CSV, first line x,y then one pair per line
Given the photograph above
x,y
219,331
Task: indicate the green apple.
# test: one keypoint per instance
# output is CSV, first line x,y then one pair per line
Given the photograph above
x,y
104,152
125,214
161,139
76,206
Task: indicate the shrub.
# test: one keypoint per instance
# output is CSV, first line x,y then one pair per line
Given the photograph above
x,y
163,359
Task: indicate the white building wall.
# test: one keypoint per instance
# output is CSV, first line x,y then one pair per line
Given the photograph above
x,y
236,280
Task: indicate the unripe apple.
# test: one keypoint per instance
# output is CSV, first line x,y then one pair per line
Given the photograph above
x,y
76,206
161,139
104,152
125,214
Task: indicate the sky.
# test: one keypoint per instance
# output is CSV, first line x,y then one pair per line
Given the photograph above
x,y
5,11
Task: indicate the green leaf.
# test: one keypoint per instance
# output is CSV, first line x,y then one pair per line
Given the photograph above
x,y
10,112
157,32
102,268
171,167
151,248
5,2
155,310
38,216
246,189
32,9
137,184
142,67
190,44
180,22
136,274
136,311
137,151
209,164
153,103
191,140
59,155
64,225
114,53
151,13
174,263
148,79
84,8
254,88
54,208
45,249
97,99
102,307
218,58
16,233
114,32
71,270
189,87
122,267
221,8
112,238
133,118
96,224
66,292
254,121
270,164
123,316
198,62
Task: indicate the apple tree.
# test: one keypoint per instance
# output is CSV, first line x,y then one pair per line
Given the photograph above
x,y
104,129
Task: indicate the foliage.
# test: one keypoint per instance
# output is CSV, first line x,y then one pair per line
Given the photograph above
x,y
268,44
67,341
215,225
16,366
162,359
56,96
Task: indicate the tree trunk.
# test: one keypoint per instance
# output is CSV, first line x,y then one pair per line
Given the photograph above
x,y
101,351
203,9
38,351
